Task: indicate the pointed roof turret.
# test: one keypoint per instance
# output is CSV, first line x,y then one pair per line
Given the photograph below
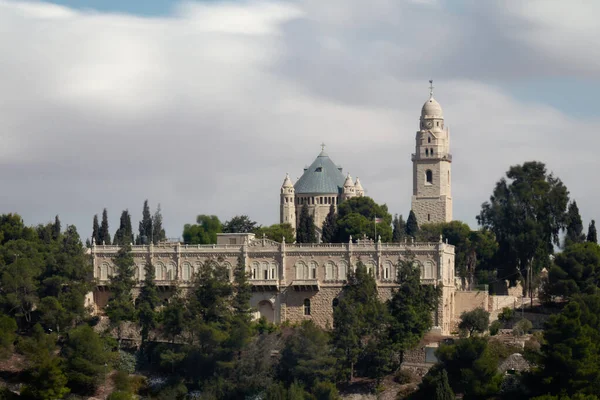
x,y
357,185
287,182
348,183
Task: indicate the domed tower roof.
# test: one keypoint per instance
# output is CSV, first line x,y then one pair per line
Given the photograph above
x,y
357,185
348,183
431,108
287,182
322,176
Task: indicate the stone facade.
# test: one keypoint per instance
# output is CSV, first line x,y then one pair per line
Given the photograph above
x,y
291,282
432,180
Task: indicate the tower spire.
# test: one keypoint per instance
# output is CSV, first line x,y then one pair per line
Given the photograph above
x,y
431,88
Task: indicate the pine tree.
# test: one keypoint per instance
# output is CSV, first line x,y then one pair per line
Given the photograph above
x,y
104,233
241,324
96,231
124,235
357,319
145,236
148,301
120,305
306,227
412,227
411,306
399,229
329,226
574,225
56,229
592,236
158,233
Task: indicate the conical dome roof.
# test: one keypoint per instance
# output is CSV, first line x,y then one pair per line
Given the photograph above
x,y
323,176
432,109
357,185
287,182
348,182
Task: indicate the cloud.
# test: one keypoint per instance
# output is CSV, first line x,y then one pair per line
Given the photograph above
x,y
205,110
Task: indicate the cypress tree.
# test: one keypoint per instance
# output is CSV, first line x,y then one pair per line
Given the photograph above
x,y
104,233
329,226
124,235
158,233
399,229
145,228
592,235
574,225
443,391
412,227
148,302
241,324
96,230
306,227
56,228
120,305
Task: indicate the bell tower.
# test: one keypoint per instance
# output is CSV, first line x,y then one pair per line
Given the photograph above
x,y
432,161
287,204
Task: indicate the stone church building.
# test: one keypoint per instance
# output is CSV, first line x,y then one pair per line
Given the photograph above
x,y
294,282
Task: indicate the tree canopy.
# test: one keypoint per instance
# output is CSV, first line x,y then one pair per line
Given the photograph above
x,y
240,224
357,218
204,231
526,213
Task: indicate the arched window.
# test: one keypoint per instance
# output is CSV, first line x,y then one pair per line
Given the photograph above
x,y
273,271
329,271
342,271
306,306
429,273
313,270
429,139
428,217
301,270
255,267
171,271
159,271
431,152
370,268
265,271
429,176
104,271
186,272
427,152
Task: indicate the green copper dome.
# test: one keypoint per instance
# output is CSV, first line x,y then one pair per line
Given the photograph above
x,y
323,176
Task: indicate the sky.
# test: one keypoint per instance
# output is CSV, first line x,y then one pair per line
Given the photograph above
x,y
204,106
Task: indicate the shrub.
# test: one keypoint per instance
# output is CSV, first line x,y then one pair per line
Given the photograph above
x,y
404,376
494,328
522,327
326,391
506,315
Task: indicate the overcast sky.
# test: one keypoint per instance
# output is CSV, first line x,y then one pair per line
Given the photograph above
x,y
204,106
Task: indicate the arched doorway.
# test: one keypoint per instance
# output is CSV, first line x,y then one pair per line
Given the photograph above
x,y
265,309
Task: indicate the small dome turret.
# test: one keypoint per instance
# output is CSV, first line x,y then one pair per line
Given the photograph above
x,y
431,108
348,183
358,188
287,182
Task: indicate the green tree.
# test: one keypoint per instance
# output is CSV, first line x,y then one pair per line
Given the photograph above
x,y
241,323
56,228
96,231
329,226
575,270
20,283
570,353
104,233
240,224
147,303
120,307
8,329
158,233
471,368
86,359
45,377
592,235
477,320
124,235
305,233
435,386
526,213
412,226
358,318
574,225
173,317
145,226
399,226
204,231
276,232
357,217
306,357
411,306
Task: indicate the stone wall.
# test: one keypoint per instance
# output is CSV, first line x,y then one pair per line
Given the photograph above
x,y
469,300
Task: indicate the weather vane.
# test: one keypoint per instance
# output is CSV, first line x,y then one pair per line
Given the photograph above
x,y
431,87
